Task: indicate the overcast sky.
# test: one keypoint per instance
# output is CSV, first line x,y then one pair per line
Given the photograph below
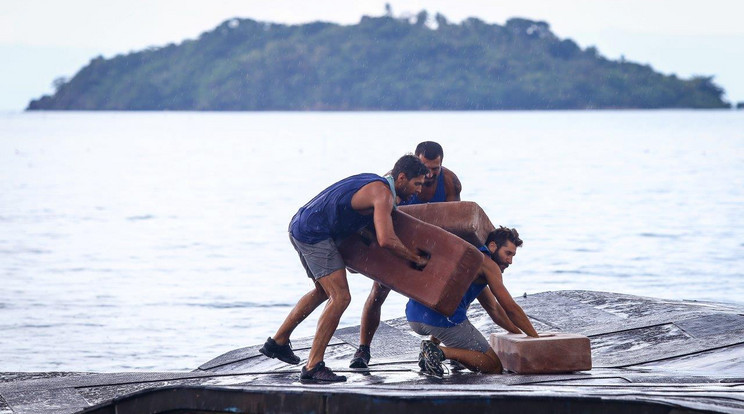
x,y
41,40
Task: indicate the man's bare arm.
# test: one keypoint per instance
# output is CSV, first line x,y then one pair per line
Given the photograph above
x,y
496,312
496,284
452,185
382,202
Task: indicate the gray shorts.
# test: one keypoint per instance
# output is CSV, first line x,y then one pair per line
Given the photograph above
x,y
462,336
319,259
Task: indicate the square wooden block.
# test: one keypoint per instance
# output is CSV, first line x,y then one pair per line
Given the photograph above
x,y
453,265
550,353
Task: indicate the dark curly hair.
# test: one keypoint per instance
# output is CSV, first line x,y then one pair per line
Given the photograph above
x,y
411,166
430,150
502,234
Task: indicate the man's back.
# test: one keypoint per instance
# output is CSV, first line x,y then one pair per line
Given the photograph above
x,y
329,214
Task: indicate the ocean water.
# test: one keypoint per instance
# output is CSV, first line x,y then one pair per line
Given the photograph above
x,y
157,241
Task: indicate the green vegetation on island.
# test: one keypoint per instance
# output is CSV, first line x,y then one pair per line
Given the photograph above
x,y
381,63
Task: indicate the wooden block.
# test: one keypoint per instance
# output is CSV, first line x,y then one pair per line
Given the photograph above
x,y
550,353
462,218
453,265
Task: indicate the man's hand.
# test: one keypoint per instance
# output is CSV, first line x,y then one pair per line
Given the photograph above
x,y
422,260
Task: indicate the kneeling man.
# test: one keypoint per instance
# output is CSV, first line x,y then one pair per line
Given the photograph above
x,y
462,341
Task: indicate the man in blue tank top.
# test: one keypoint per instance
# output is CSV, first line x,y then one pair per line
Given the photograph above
x,y
338,211
463,342
440,184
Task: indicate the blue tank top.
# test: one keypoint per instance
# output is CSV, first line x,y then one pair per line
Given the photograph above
x,y
329,215
439,194
416,312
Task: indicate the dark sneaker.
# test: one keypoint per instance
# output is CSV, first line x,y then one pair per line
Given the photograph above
x,y
433,357
421,362
361,357
320,373
281,352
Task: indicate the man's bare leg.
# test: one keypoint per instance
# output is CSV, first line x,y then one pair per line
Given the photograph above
x,y
306,305
336,287
487,363
372,312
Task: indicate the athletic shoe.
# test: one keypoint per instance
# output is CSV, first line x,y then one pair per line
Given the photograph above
x,y
421,362
456,366
320,373
433,357
361,357
281,352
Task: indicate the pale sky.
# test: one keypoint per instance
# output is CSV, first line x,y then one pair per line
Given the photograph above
x,y
41,40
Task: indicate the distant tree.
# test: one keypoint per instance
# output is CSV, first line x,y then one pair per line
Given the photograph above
x,y
441,20
565,49
421,18
57,83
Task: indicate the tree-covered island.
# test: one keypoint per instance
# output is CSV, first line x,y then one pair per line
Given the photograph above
x,y
381,63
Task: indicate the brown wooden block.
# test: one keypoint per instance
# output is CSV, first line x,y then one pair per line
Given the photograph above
x,y
550,353
462,218
453,265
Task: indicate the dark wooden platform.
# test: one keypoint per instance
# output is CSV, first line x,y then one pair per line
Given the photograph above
x,y
649,355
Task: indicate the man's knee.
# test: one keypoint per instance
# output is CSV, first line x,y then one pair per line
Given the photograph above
x,y
376,297
341,299
337,289
379,292
494,366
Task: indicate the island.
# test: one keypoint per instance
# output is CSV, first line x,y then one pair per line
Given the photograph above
x,y
384,63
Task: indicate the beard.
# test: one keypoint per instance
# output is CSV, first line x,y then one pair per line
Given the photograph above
x,y
495,258
429,182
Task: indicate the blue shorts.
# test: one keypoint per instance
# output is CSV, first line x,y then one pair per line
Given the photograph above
x,y
319,259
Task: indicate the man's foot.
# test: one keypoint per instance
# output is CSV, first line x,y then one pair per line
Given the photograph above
x,y
320,373
281,352
433,357
361,357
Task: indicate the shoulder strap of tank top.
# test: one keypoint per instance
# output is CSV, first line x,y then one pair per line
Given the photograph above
x,y
391,183
440,193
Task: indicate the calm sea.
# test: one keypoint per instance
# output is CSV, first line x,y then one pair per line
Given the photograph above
x,y
157,241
